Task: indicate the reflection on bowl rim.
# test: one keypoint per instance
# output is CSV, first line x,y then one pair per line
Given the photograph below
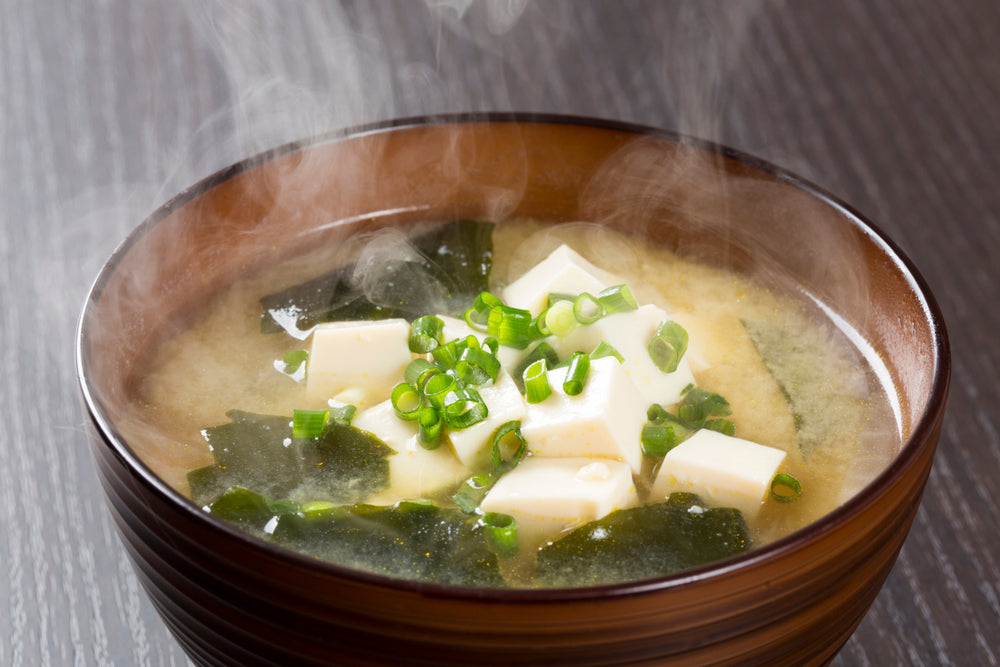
x,y
909,450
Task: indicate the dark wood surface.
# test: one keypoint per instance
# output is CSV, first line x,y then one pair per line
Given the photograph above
x,y
108,108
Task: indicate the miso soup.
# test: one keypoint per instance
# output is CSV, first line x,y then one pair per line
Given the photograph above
x,y
515,404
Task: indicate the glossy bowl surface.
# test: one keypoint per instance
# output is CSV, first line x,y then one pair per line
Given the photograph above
x,y
232,599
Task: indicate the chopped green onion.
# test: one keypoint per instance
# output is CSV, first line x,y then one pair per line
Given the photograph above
x,y
464,408
419,371
406,401
617,299
576,375
477,366
512,327
556,297
438,387
309,423
668,346
294,359
541,351
485,302
491,345
501,533
475,321
723,426
603,349
657,439
497,446
472,491
785,488
559,319
536,382
425,334
429,422
656,414
342,413
448,354
587,309
698,405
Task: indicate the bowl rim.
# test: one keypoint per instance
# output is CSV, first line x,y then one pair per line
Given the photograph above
x,y
910,448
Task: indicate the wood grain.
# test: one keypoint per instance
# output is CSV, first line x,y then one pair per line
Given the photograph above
x,y
109,108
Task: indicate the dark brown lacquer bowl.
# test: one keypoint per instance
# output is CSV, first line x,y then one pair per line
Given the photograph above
x,y
232,599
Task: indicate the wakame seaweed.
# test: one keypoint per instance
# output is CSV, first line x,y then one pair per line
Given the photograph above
x,y
452,265
643,542
411,539
257,452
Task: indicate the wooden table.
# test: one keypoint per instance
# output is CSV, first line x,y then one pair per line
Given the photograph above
x,y
108,108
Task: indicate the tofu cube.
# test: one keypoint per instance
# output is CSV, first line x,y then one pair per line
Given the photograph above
x,y
724,471
414,472
547,496
504,403
564,270
603,421
366,356
630,333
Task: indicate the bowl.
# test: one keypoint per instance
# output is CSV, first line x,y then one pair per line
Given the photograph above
x,y
230,598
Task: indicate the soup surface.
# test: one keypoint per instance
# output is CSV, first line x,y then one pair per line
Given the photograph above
x,y
793,382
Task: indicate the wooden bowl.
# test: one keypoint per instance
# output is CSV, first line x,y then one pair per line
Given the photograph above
x,y
233,599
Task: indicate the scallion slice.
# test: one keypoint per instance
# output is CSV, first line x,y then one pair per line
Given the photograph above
x,y
501,533
512,327
429,421
447,354
463,408
419,371
476,321
477,366
406,401
425,334
499,445
472,491
604,349
657,439
438,387
294,359
785,488
576,374
309,423
617,299
559,319
536,382
668,346
587,309
723,426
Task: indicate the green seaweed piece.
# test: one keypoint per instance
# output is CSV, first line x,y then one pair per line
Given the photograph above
x,y
642,542
785,358
411,540
258,453
453,264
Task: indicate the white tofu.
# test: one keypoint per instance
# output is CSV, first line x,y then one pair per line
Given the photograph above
x,y
504,403
603,421
564,270
724,471
630,333
547,496
369,357
414,472
456,328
